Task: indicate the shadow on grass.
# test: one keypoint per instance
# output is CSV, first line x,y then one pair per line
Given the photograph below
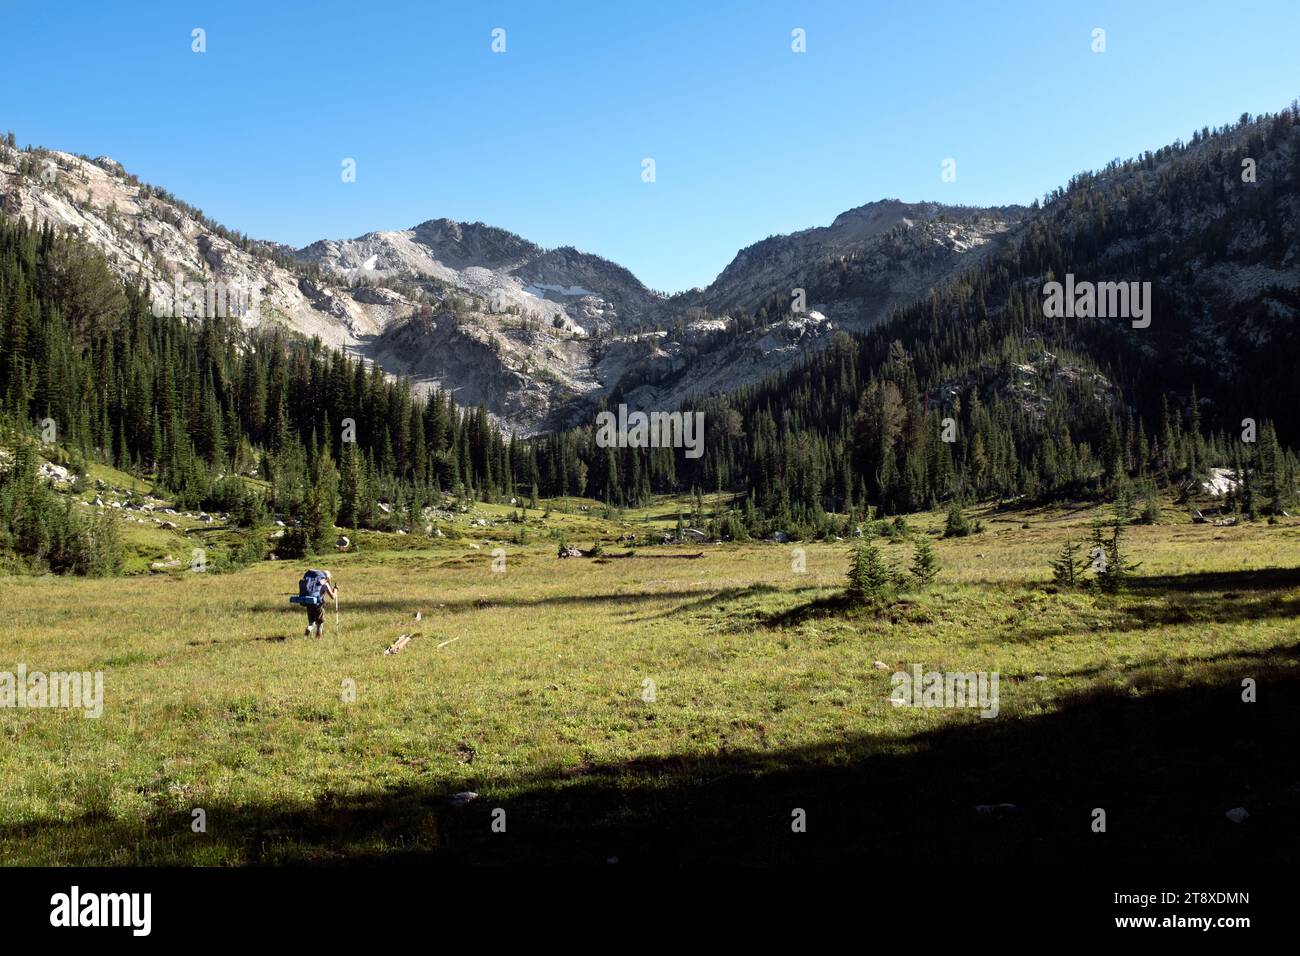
x,y
1219,597
1165,767
836,605
1261,655
714,597
1259,579
491,597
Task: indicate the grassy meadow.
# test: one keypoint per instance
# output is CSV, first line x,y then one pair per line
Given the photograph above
x,y
673,705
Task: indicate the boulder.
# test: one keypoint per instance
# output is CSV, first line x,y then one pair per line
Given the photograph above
x,y
53,472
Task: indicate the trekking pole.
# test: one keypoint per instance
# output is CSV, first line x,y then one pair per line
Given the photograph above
x,y
336,611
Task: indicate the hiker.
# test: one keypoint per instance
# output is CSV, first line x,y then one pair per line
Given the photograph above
x,y
319,585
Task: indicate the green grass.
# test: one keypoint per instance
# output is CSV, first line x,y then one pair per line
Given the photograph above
x,y
118,479
527,687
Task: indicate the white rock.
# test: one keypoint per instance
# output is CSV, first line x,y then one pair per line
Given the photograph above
x,y
1221,482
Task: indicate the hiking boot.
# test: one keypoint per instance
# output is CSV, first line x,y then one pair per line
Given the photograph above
x,y
307,631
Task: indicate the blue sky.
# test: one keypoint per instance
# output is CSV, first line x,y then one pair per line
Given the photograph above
x,y
547,139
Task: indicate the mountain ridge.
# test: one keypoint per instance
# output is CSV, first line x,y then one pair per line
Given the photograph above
x,y
551,330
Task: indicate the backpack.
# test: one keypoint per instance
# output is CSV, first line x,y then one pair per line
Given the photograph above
x,y
310,588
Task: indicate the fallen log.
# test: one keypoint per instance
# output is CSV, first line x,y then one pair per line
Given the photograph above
x,y
398,645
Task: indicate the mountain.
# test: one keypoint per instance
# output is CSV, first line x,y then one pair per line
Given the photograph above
x,y
147,234
973,389
539,336
1206,232
504,270
853,273
536,335
867,260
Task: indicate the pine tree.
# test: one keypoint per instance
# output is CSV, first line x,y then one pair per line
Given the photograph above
x,y
1067,569
1150,509
1123,499
869,578
351,479
1116,568
925,565
956,525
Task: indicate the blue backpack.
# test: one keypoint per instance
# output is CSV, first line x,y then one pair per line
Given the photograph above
x,y
310,589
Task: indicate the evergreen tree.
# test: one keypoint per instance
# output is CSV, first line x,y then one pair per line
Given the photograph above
x,y
869,578
1116,569
1068,568
956,525
925,565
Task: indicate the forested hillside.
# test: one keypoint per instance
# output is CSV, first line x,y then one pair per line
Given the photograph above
x,y
1048,408
194,406
969,393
